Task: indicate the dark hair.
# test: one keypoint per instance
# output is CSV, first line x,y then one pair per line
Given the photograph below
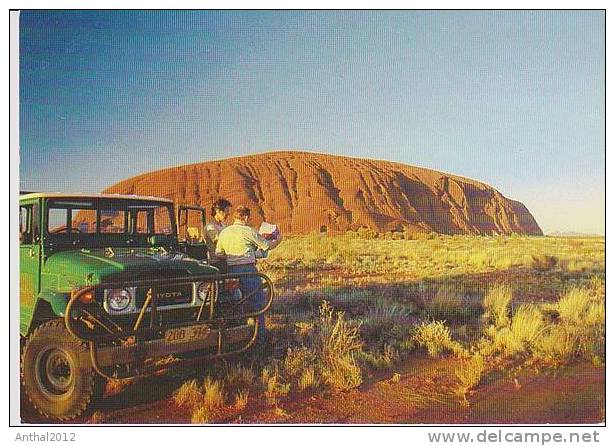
x,y
220,204
242,211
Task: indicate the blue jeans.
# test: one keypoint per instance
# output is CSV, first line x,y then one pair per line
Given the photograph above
x,y
257,301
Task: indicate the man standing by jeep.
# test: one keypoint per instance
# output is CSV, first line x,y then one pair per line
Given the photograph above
x,y
220,210
239,244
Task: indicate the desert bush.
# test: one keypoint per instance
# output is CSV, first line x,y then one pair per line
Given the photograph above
x,y
382,318
519,334
381,360
595,315
338,342
469,374
275,389
297,360
543,262
435,336
496,304
367,233
576,331
188,395
597,285
448,305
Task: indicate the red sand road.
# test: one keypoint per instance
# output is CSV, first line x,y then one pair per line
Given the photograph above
x,y
423,392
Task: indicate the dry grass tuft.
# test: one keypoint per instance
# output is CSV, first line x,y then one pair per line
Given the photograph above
x,y
241,399
572,307
213,393
201,415
496,304
307,380
238,376
188,395
469,375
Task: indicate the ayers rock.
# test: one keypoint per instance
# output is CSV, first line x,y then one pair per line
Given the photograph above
x,y
304,192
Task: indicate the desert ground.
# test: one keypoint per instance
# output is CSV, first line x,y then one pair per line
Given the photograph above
x,y
387,328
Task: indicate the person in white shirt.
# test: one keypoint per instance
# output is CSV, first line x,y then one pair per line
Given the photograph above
x,y
239,244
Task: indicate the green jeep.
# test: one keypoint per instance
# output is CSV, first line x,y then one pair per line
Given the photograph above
x,y
110,290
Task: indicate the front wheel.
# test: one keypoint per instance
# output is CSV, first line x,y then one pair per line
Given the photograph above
x,y
59,382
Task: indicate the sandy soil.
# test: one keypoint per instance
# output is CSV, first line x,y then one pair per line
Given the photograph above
x,y
417,391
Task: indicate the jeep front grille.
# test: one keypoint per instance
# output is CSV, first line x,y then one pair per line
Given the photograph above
x,y
167,295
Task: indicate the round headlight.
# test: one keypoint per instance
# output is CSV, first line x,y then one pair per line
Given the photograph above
x,y
118,299
202,290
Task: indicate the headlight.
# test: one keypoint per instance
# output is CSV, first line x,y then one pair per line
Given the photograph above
x,y
118,299
202,290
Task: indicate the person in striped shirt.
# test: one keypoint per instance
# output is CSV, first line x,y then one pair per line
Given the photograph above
x,y
220,211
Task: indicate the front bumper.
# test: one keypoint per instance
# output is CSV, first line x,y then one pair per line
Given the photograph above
x,y
142,346
215,338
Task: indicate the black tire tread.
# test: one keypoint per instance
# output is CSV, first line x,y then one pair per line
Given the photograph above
x,y
93,384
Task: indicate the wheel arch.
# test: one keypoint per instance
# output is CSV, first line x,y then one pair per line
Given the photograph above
x,y
48,306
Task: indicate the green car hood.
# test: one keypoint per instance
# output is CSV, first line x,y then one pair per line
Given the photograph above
x,y
91,267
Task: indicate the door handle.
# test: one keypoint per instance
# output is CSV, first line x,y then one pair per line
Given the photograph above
x,y
31,252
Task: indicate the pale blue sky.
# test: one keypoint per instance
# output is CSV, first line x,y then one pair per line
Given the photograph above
x,y
514,99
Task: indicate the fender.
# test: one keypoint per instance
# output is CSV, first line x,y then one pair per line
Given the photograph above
x,y
49,305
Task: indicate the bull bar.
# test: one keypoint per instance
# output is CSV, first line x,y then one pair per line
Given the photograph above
x,y
143,342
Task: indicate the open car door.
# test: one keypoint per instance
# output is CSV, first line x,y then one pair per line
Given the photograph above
x,y
191,231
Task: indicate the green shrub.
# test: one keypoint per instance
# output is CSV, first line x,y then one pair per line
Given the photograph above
x,y
275,389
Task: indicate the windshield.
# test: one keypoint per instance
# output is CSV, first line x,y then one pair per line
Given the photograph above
x,y
108,220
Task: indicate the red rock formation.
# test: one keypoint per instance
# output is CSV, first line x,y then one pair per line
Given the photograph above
x,y
304,192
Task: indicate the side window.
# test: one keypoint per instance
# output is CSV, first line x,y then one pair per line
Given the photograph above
x,y
142,222
29,230
190,225
36,229
112,221
25,229
57,220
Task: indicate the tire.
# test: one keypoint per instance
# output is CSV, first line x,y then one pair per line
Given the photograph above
x,y
59,383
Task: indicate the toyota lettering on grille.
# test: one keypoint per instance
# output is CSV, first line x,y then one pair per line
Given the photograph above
x,y
169,295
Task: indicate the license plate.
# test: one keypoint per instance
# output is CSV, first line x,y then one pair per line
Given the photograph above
x,y
186,334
